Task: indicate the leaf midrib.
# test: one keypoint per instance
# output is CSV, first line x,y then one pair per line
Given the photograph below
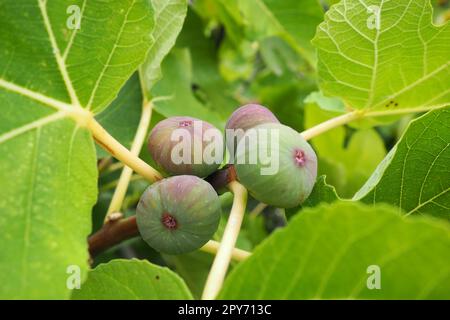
x,y
27,220
74,33
106,65
33,125
56,52
74,109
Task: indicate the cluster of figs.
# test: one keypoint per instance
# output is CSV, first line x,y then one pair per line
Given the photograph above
x,y
181,213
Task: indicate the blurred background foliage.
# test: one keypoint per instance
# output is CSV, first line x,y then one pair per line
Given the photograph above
x,y
229,53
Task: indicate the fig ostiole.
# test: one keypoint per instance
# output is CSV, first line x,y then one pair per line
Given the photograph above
x,y
276,165
185,145
244,118
178,214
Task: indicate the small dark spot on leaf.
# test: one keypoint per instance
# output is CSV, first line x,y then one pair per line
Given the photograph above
x,y
157,277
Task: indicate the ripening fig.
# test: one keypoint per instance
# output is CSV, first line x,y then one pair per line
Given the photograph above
x,y
185,145
178,214
244,118
249,116
276,165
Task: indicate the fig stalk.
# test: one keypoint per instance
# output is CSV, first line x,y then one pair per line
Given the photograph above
x,y
213,246
125,176
118,151
222,260
114,232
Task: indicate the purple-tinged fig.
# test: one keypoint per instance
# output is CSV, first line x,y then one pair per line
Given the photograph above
x,y
185,145
244,118
276,165
178,214
249,116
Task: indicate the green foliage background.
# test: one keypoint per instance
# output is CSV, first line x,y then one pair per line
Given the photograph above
x,y
382,197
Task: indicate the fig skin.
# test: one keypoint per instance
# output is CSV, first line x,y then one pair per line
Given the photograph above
x,y
160,146
249,116
294,180
178,214
246,117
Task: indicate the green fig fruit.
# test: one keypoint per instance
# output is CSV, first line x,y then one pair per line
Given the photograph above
x,y
276,165
185,145
244,118
178,214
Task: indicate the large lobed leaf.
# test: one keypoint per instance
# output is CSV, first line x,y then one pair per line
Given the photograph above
x,y
48,175
48,185
131,280
122,116
112,41
405,63
415,176
169,18
325,252
293,20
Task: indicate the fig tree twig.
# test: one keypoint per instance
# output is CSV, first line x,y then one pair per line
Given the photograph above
x,y
118,151
112,233
103,164
257,209
222,260
213,246
113,184
359,114
116,231
330,124
113,167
